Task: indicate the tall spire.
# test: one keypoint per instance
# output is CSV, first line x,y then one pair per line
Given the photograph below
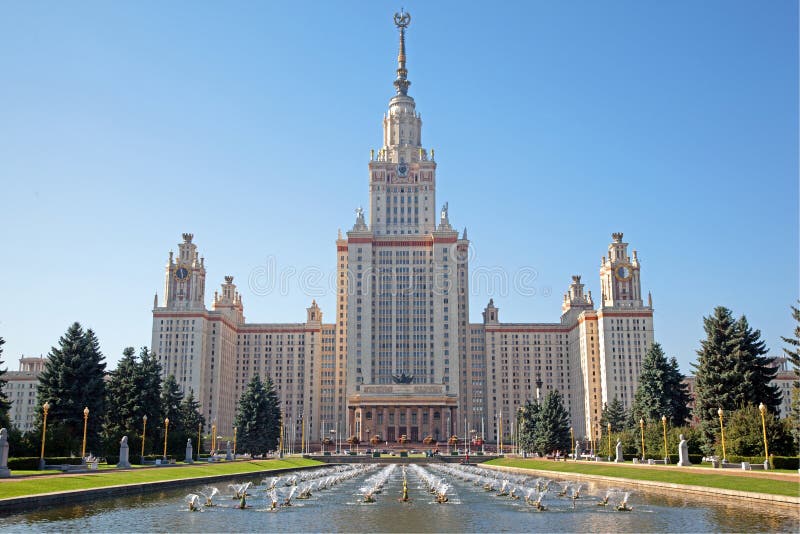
x,y
401,83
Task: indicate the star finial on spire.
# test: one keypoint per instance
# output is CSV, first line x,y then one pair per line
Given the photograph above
x,y
401,83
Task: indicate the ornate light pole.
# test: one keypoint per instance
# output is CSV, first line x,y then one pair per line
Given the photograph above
x,y
572,440
722,433
302,433
664,424
213,437
85,420
641,425
234,442
144,432
199,439
166,433
763,410
280,439
609,441
45,409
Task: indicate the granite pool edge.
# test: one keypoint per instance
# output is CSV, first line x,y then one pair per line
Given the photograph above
x,y
29,502
748,496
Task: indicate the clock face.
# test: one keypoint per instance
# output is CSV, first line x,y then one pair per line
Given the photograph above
x,y
181,273
402,169
623,272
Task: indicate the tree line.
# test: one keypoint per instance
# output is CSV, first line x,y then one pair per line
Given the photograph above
x,y
732,374
79,393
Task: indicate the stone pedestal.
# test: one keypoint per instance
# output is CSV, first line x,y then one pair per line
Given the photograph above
x,y
188,458
4,470
578,451
228,454
124,462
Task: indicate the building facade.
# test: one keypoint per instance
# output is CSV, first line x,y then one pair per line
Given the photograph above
x,y
400,357
21,391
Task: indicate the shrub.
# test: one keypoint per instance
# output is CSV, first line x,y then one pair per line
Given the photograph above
x,y
786,462
32,462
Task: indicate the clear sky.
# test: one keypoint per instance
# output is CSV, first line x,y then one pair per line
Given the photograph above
x,y
124,124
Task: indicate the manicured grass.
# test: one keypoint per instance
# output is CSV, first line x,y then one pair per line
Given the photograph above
x,y
662,474
36,485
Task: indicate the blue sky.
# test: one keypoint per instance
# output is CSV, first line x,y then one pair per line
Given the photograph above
x,y
124,124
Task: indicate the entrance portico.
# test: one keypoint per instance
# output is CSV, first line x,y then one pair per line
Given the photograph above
x,y
413,410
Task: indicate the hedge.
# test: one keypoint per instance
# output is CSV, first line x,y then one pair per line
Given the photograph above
x,y
776,462
26,463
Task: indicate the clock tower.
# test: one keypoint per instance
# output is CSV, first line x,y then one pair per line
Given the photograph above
x,y
619,276
185,278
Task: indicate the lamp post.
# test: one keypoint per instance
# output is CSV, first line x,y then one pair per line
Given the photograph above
x,y
199,439
85,420
664,424
609,442
501,432
763,410
234,442
641,425
144,431
538,387
45,409
722,433
213,437
280,439
572,440
302,433
166,433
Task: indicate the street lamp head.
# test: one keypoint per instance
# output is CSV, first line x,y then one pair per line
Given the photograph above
x,y
144,417
664,419
762,408
86,412
720,412
641,421
166,420
46,407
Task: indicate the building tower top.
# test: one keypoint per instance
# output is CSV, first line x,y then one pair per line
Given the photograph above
x,y
401,83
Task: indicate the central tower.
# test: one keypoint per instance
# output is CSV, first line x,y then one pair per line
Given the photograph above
x,y
402,178
402,282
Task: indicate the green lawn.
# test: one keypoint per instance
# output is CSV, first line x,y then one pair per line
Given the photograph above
x,y
35,485
662,474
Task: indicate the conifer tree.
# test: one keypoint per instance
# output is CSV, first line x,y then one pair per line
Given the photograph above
x,y
171,400
192,417
258,417
731,372
73,379
661,390
552,427
614,412
5,404
134,390
526,425
793,354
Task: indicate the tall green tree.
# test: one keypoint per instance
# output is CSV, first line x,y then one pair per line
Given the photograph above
x,y
258,417
5,404
527,416
793,354
192,417
615,413
552,426
661,389
171,408
731,371
134,390
73,379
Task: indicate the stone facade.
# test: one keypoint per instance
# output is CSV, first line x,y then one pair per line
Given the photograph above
x,y
21,391
400,357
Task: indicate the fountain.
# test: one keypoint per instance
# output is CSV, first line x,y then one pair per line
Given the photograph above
x,y
209,495
623,505
193,499
239,490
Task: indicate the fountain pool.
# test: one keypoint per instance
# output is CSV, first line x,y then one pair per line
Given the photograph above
x,y
334,501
